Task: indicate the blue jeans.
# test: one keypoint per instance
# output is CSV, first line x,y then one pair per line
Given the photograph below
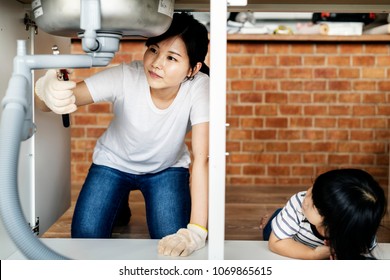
x,y
268,227
105,193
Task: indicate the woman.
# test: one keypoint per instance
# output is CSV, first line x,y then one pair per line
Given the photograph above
x,y
156,102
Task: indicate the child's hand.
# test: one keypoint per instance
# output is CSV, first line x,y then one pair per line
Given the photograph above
x,y
322,252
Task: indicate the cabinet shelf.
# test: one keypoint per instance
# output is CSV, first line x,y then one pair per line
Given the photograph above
x,y
306,38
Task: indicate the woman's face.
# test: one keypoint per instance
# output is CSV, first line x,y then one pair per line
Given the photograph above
x,y
166,64
310,211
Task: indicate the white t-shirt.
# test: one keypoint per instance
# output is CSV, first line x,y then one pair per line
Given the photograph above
x,y
142,138
292,223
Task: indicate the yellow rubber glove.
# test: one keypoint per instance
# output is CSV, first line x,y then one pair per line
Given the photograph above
x,y
57,95
184,242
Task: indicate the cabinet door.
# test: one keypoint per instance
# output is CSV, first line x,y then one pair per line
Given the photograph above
x,y
51,149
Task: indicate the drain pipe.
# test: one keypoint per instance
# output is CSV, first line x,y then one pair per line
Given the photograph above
x,y
90,21
12,131
17,125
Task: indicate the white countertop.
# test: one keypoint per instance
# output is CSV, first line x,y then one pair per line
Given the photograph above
x,y
146,249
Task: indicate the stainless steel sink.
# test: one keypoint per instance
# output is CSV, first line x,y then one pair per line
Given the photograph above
x,y
130,17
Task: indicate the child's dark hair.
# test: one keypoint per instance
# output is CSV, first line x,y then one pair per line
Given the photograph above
x,y
194,35
352,205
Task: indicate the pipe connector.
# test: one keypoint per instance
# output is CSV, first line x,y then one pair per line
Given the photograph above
x,y
17,84
108,45
17,100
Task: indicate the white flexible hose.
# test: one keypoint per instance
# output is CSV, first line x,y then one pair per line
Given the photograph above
x,y
11,128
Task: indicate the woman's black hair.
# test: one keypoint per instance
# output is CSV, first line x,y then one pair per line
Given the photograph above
x,y
194,35
352,205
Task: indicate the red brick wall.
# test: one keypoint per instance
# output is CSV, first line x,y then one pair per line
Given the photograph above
x,y
295,109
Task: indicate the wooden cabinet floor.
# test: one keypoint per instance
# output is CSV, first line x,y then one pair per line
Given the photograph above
x,y
245,206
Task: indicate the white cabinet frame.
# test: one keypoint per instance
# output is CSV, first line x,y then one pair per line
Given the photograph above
x,y
218,55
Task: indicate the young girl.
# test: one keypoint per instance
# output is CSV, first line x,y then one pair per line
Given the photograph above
x,y
337,218
156,102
